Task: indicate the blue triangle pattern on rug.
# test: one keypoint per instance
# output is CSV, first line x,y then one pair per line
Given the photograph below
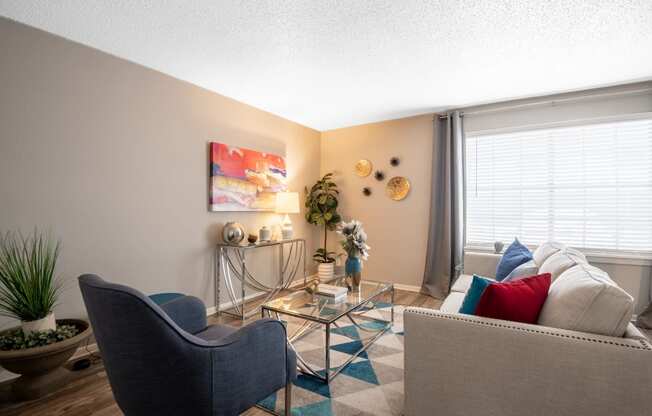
x,y
313,384
348,331
362,370
322,408
350,348
269,402
374,325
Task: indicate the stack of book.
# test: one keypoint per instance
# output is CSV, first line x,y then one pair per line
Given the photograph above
x,y
334,294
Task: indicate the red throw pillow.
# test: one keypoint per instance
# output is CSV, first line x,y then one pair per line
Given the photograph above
x,y
519,301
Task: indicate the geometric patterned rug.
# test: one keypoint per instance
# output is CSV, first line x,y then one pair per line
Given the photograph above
x,y
370,385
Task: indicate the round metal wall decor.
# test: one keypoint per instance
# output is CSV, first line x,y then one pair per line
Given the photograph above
x,y
363,168
397,188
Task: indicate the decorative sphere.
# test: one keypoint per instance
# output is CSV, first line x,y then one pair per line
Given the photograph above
x,y
233,233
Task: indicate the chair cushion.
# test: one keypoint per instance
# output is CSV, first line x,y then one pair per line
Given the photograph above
x,y
473,295
452,303
524,270
561,261
519,301
515,255
215,332
585,299
546,250
161,298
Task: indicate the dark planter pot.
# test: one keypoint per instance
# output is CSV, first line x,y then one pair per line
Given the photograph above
x,y
40,368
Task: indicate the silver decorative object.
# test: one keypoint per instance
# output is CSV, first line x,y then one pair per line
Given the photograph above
x,y
498,247
233,233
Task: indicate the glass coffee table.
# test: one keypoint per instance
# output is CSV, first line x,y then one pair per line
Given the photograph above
x,y
316,313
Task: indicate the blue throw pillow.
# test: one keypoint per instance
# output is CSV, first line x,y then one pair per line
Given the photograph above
x,y
515,255
473,295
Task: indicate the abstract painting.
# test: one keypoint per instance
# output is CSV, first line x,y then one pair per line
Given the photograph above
x,y
244,179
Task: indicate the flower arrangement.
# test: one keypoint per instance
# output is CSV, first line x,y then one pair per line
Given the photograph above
x,y
355,239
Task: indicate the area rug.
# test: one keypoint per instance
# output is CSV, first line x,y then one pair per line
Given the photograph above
x,y
370,385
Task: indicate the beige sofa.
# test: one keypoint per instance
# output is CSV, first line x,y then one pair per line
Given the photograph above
x,y
462,365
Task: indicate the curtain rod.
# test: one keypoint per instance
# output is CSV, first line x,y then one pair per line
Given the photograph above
x,y
552,102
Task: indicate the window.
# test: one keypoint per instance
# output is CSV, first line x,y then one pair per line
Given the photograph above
x,y
588,186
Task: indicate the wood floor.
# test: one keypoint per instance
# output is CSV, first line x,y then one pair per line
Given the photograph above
x,y
91,393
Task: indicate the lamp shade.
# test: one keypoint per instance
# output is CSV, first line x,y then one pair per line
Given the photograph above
x,y
287,203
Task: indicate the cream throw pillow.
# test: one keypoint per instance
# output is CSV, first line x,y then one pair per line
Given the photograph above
x,y
585,299
546,250
561,261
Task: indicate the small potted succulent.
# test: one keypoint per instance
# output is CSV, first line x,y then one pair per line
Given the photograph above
x,y
29,290
321,210
357,250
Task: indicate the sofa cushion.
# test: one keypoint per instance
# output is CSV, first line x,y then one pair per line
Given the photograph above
x,y
546,250
585,299
462,283
519,301
524,270
561,261
473,295
452,303
515,255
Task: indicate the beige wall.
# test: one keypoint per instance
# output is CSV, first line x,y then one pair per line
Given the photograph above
x,y
112,158
398,231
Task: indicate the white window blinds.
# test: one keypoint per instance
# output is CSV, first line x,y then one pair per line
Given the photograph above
x,y
588,186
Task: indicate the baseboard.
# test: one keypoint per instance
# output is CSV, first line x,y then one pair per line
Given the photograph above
x,y
407,288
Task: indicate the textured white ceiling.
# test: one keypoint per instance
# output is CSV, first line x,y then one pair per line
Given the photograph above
x,y
328,63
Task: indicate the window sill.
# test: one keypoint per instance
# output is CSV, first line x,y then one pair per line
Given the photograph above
x,y
597,257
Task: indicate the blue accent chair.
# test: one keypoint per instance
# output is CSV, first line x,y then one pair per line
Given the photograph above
x,y
165,360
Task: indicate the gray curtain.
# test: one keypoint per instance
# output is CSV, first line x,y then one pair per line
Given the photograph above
x,y
445,255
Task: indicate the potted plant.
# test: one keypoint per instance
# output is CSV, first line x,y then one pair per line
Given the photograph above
x,y
357,250
321,210
29,290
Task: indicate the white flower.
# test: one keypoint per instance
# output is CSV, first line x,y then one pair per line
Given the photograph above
x,y
355,239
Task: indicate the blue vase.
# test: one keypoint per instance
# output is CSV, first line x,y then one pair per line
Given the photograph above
x,y
353,269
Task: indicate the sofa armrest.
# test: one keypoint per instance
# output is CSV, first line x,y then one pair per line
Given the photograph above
x,y
253,362
482,264
460,365
188,312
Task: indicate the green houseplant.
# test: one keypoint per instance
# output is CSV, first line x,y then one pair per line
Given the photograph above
x,y
321,210
29,290
28,286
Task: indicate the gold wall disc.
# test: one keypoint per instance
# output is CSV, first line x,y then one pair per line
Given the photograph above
x,y
397,188
363,168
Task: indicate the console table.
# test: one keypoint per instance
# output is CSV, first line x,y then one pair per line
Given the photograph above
x,y
231,265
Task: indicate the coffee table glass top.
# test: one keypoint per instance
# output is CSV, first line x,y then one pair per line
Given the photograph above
x,y
317,308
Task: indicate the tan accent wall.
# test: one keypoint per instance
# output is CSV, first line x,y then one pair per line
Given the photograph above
x,y
398,230
112,157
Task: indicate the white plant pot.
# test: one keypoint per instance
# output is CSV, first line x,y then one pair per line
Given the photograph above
x,y
325,271
44,324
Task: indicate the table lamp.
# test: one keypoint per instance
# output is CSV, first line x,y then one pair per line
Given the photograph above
x,y
287,203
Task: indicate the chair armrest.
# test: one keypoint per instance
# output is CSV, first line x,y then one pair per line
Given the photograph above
x,y
188,312
459,364
253,363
